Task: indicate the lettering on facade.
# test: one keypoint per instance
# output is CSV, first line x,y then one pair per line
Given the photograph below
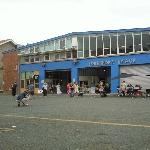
x,y
112,62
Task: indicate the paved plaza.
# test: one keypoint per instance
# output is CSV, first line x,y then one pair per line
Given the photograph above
x,y
58,122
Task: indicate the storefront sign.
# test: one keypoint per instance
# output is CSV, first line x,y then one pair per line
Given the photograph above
x,y
112,62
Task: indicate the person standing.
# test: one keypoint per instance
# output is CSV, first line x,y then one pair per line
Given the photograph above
x,y
14,88
44,88
58,88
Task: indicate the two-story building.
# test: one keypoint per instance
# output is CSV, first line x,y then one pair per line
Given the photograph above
x,y
110,55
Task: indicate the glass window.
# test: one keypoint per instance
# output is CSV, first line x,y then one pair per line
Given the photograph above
x,y
47,46
62,55
129,43
146,41
57,47
31,59
57,56
22,76
37,49
68,54
32,50
93,46
27,75
51,45
52,56
37,58
106,39
22,84
68,42
47,57
26,59
121,43
74,53
137,42
80,46
27,51
99,46
86,47
62,44
41,47
114,44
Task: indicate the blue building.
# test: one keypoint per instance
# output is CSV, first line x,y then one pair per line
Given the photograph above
x,y
88,57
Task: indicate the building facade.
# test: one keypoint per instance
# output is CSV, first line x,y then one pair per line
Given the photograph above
x,y
88,57
5,45
10,69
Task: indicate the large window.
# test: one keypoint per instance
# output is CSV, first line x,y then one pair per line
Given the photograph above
x,y
137,42
80,46
121,43
86,46
68,42
129,43
106,39
57,47
114,44
46,57
68,54
99,46
146,41
41,47
51,45
52,56
37,49
93,46
62,44
32,50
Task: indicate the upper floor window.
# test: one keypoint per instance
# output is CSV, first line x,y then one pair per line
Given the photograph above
x,y
86,46
57,46
122,43
46,57
37,49
146,41
68,42
106,40
31,59
92,46
37,58
62,44
32,50
114,44
26,59
137,42
80,46
99,45
129,43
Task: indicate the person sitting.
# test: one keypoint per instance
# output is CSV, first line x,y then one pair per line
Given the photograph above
x,y
23,98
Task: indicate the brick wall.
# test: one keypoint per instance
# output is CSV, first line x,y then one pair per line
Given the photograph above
x,y
10,70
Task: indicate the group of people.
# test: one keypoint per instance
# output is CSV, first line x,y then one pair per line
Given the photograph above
x,y
129,89
45,88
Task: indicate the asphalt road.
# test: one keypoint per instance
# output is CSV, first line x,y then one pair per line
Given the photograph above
x,y
79,123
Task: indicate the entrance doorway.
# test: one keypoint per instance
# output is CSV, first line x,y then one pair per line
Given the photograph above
x,y
91,76
60,76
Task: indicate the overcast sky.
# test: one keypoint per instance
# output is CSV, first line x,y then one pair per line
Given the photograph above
x,y
29,21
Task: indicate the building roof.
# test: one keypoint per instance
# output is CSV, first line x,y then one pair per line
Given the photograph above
x,y
6,41
86,33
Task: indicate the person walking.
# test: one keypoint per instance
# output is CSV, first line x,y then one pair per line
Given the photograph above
x,y
44,88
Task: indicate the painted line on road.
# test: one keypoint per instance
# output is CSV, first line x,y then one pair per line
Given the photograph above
x,y
80,121
6,129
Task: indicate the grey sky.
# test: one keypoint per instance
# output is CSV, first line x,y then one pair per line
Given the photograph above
x,y
28,21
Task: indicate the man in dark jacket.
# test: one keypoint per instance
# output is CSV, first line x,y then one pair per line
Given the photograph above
x,y
23,97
